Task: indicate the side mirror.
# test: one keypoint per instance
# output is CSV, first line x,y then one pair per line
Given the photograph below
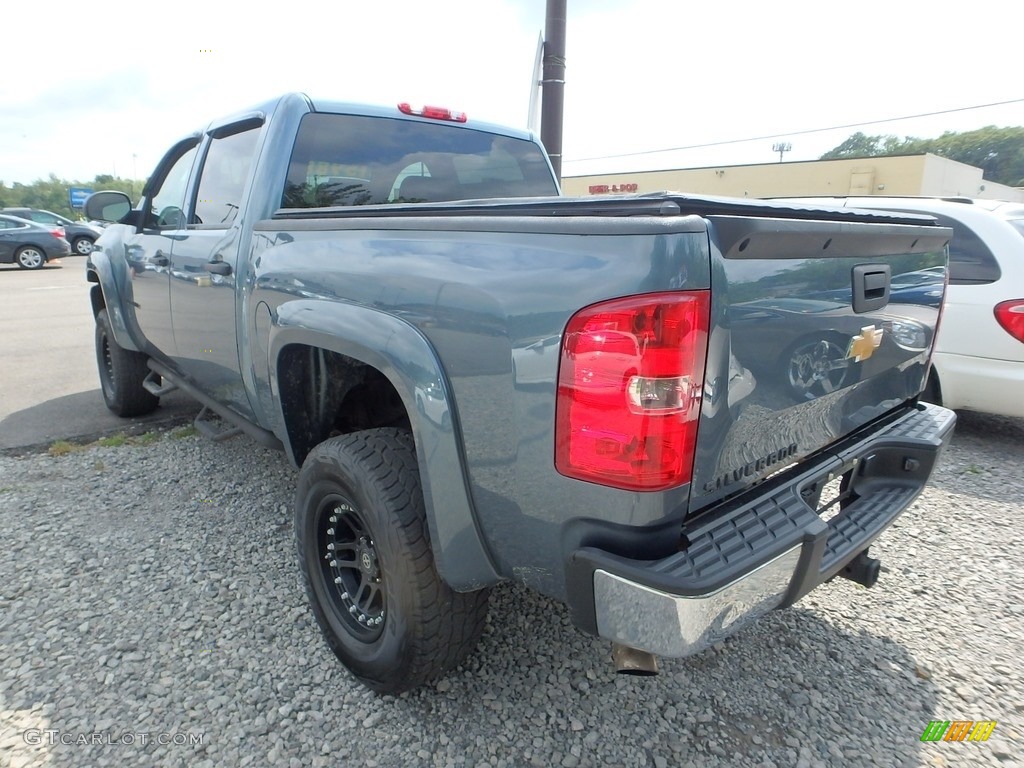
x,y
107,206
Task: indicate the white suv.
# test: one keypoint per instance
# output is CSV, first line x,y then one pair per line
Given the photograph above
x,y
978,362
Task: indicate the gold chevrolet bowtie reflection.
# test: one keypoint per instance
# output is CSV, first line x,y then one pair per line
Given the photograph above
x,y
863,345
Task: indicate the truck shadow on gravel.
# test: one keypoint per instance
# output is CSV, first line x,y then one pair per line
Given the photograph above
x,y
82,417
793,687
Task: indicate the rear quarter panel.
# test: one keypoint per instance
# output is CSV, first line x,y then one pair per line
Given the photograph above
x,y
491,296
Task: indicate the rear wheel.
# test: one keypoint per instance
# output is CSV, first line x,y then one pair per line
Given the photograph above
x,y
82,246
30,257
364,552
122,372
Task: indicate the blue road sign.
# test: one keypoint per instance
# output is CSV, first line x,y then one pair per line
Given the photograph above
x,y
77,196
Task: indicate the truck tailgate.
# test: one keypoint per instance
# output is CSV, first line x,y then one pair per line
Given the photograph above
x,y
818,326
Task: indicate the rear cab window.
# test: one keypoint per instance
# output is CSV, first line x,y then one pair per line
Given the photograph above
x,y
345,160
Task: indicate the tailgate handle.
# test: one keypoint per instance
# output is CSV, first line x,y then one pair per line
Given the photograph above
x,y
870,287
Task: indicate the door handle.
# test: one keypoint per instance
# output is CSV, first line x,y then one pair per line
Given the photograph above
x,y
160,259
218,267
870,287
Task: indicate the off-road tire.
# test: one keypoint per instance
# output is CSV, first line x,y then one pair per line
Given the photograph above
x,y
361,494
122,372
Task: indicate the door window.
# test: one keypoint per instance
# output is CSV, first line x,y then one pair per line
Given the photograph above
x,y
223,177
167,203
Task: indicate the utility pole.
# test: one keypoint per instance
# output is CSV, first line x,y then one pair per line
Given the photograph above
x,y
782,148
553,83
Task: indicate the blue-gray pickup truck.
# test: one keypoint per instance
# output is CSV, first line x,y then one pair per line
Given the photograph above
x,y
672,413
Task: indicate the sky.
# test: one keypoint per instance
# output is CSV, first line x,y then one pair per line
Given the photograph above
x,y
89,93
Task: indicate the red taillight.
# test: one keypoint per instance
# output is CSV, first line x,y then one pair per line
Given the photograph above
x,y
434,113
629,387
1010,315
57,232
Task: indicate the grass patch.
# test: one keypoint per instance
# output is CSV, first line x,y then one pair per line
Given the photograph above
x,y
64,447
147,439
181,434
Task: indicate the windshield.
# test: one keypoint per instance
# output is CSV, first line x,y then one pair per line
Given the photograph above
x,y
358,160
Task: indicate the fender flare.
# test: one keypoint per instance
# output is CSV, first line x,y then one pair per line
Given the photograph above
x,y
407,359
100,265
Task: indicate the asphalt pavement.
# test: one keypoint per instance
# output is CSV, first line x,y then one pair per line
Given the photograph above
x,y
49,388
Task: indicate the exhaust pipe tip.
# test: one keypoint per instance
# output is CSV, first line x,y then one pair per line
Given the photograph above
x,y
631,661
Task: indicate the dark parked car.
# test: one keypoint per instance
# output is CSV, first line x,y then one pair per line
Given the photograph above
x,y
79,234
30,245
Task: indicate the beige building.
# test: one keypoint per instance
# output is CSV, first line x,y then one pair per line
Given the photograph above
x,y
924,174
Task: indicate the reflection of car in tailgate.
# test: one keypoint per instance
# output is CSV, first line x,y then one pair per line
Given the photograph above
x,y
824,366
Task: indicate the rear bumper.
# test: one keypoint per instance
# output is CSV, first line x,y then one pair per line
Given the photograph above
x,y
762,551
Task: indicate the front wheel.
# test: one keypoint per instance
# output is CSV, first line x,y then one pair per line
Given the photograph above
x,y
122,372
816,366
30,257
365,556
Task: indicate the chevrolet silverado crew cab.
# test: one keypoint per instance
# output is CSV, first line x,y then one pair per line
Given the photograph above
x,y
672,413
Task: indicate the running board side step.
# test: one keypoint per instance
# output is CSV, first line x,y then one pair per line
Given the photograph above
x,y
203,425
210,430
156,385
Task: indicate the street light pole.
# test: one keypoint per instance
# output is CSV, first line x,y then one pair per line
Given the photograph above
x,y
553,83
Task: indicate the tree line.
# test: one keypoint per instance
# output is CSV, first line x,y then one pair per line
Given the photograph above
x,y
999,152
51,194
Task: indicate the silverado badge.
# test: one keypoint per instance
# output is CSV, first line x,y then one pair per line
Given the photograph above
x,y
863,345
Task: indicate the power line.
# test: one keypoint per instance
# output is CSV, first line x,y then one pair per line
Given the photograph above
x,y
796,133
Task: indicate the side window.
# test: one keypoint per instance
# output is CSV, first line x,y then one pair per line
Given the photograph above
x,y
970,260
167,202
223,177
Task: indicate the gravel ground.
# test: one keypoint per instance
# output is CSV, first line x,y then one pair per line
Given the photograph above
x,y
150,614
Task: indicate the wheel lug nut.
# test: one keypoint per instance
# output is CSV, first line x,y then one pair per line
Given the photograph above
x,y
344,595
330,547
334,518
352,610
334,563
330,531
337,579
